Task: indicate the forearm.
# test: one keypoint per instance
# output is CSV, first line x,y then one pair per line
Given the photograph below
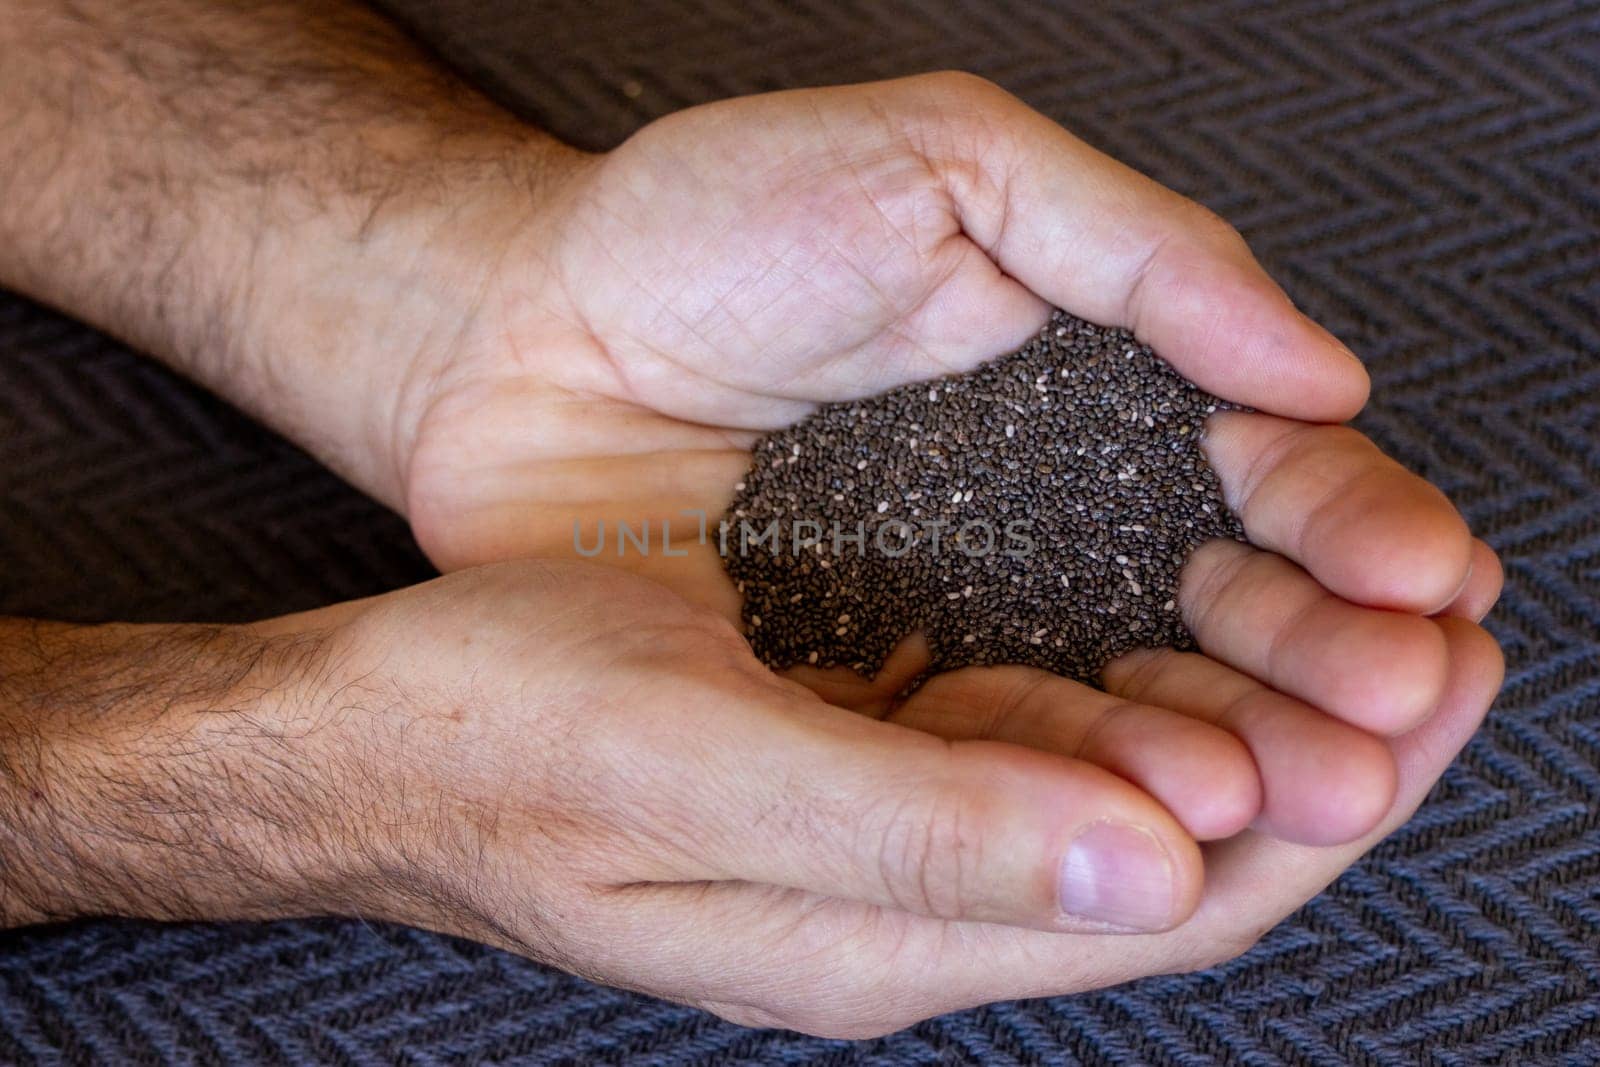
x,y
265,195
150,771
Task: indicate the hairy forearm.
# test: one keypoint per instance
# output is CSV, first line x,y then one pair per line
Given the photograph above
x,y
151,771
263,194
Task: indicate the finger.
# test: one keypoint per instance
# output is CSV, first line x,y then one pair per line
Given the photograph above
x,y
1326,497
768,957
1106,243
844,688
1253,881
1322,781
1421,756
817,798
1485,578
1203,775
1258,613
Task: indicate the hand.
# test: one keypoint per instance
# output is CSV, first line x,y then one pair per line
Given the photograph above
x,y
499,334
734,265
572,763
481,327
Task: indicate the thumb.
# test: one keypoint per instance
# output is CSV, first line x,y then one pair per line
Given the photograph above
x,y
834,803
1106,243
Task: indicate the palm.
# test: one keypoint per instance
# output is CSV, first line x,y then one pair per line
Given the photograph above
x,y
691,304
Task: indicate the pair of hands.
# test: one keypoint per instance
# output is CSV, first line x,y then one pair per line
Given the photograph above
x,y
665,813
498,335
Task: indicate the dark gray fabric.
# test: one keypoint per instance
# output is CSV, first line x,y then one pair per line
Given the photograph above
x,y
1421,176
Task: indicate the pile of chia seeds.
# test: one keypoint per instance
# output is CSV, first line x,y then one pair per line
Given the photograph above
x,y
1037,510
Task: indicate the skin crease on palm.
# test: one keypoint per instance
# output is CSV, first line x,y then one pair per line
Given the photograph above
x,y
734,265
576,763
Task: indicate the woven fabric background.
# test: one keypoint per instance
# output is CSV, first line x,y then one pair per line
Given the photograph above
x,y
1423,177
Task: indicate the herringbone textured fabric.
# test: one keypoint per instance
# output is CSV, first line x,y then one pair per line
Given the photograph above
x,y
1422,177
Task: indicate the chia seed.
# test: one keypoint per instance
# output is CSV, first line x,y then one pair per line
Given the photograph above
x,y
1083,436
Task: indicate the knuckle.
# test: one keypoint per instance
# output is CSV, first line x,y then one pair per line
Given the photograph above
x,y
1136,673
1214,230
971,111
1102,722
961,83
929,852
1218,575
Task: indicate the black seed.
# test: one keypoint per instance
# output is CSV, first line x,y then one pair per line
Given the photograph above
x,y
1084,433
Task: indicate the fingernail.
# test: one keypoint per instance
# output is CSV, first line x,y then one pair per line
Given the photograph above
x,y
1117,874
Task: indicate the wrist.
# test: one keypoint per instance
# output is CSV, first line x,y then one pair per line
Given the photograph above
x,y
356,313
148,775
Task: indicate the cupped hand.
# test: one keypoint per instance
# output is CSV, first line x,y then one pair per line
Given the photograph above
x,y
732,266
574,763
